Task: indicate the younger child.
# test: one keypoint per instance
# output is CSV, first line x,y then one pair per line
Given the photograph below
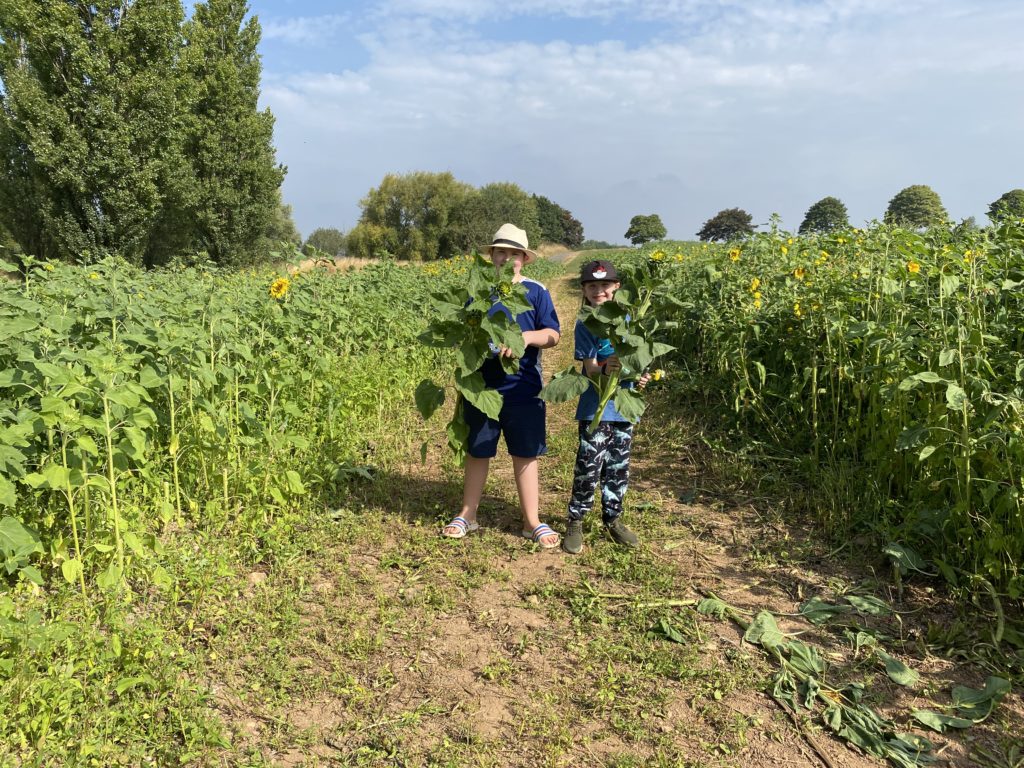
x,y
522,417
603,454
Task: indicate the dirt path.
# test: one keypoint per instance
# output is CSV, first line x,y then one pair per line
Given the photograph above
x,y
417,650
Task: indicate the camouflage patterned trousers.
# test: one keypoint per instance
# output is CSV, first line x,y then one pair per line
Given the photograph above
x,y
602,457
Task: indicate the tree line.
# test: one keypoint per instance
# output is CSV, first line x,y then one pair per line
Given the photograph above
x,y
127,129
423,216
915,207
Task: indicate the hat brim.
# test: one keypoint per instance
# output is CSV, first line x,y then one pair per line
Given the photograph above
x,y
530,255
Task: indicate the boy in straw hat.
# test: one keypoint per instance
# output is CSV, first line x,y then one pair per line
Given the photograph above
x,y
522,418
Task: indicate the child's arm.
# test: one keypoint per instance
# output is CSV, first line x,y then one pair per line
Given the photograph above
x,y
544,338
591,367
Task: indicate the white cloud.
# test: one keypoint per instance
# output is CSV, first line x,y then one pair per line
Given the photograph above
x,y
768,105
303,30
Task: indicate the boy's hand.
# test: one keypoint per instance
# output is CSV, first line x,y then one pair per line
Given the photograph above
x,y
641,382
504,351
611,365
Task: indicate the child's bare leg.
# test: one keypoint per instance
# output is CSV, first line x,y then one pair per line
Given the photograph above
x,y
527,474
528,484
472,488
472,491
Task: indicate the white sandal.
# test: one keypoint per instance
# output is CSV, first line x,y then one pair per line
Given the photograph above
x,y
539,533
461,525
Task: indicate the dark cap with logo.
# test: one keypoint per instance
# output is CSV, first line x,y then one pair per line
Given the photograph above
x,y
599,269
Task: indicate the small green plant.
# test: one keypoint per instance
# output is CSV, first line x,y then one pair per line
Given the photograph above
x,y
498,670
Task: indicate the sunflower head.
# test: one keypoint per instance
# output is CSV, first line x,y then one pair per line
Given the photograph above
x,y
280,287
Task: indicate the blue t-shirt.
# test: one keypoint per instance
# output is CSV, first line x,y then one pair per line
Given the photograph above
x,y
523,386
589,346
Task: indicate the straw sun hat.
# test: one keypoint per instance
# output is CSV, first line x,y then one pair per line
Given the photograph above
x,y
511,236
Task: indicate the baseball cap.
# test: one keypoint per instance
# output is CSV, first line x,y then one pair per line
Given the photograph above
x,y
599,269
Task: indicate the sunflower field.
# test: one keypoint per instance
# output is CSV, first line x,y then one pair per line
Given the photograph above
x,y
889,364
158,429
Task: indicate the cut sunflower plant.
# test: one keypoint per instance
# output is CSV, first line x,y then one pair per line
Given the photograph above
x,y
629,322
468,319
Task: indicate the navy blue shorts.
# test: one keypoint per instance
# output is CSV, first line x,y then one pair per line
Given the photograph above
x,y
523,426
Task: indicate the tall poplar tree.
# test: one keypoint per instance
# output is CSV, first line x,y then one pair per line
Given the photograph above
x,y
88,142
227,138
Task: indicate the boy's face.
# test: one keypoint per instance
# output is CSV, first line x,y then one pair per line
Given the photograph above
x,y
501,254
597,292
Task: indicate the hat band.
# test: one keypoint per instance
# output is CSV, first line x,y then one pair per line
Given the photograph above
x,y
502,241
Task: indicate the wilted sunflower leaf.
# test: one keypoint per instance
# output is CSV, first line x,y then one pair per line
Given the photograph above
x,y
713,607
809,692
784,688
817,611
863,727
939,722
897,671
765,632
869,605
664,629
977,705
805,658
908,750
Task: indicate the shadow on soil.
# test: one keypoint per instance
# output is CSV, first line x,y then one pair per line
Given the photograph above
x,y
418,500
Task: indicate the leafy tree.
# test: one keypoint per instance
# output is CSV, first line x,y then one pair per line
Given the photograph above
x,y
8,245
557,225
1010,204
279,229
915,207
643,229
325,240
572,229
236,192
124,129
480,214
408,216
549,218
726,225
826,215
592,245
372,241
89,143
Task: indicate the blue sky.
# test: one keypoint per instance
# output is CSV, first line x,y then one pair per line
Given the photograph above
x,y
613,108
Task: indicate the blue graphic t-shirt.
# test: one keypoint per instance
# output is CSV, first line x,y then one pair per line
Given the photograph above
x,y
523,386
589,346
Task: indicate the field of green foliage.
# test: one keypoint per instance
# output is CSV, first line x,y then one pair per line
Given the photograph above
x,y
164,434
158,430
882,367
